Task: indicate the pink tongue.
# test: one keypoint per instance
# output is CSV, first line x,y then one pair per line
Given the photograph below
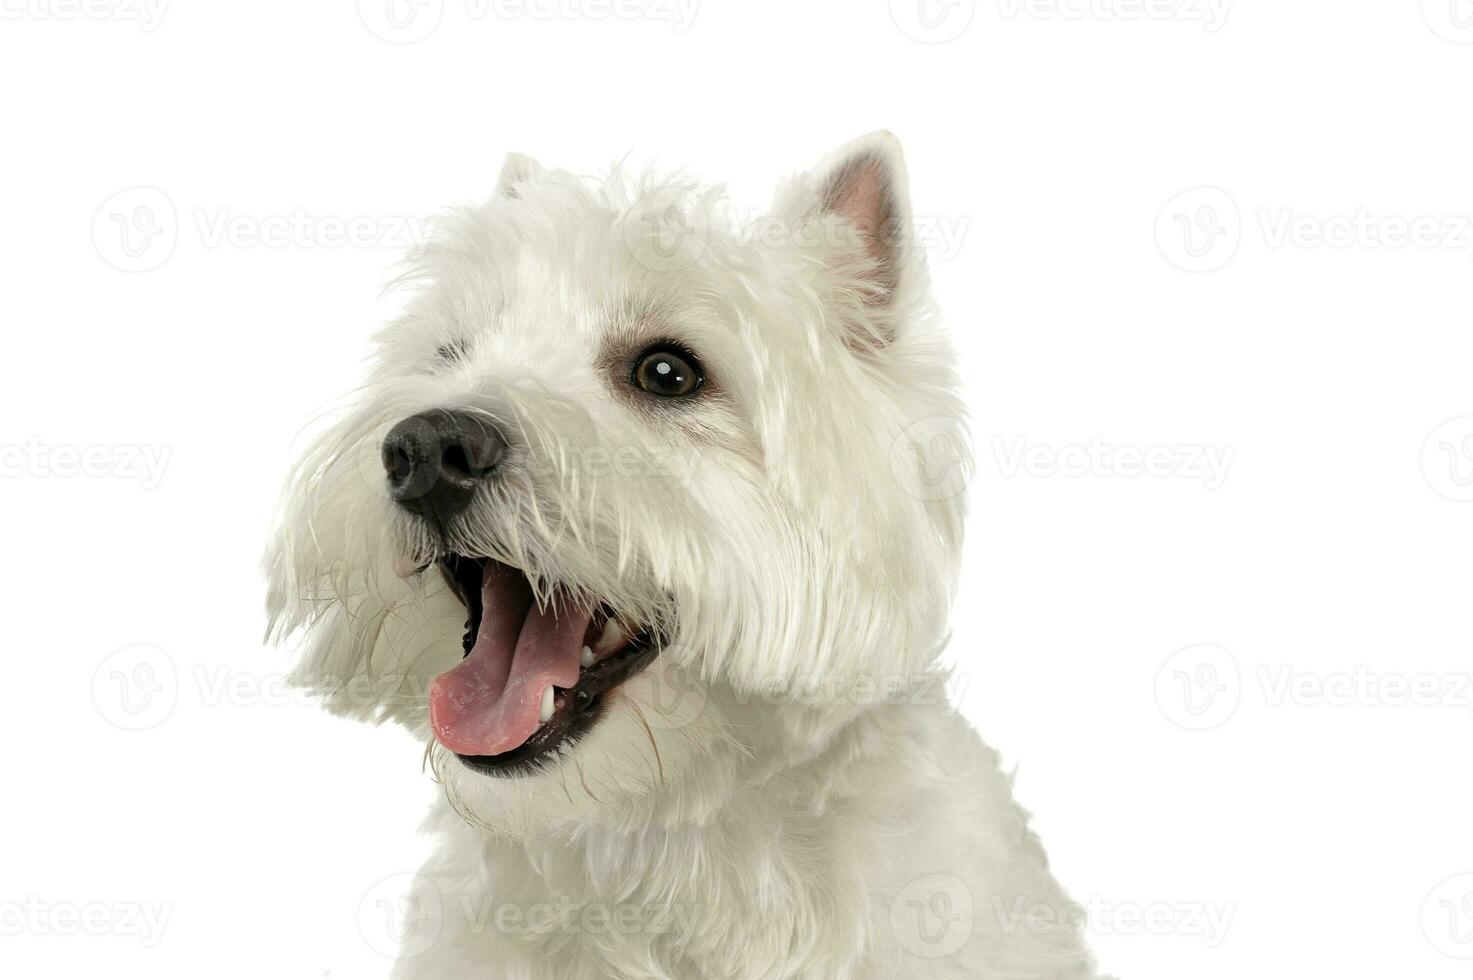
x,y
491,702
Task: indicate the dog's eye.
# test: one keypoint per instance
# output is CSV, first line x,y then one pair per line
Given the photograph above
x,y
668,372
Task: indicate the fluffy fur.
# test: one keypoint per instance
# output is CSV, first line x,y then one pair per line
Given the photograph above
x,y
785,789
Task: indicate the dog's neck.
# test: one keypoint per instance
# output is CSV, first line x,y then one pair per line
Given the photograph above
x,y
797,845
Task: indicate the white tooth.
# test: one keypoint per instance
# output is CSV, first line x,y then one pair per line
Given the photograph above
x,y
546,705
611,637
585,659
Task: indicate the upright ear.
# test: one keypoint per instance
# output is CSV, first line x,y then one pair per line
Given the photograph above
x,y
519,169
863,185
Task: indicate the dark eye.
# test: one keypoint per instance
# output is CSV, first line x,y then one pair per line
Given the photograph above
x,y
668,372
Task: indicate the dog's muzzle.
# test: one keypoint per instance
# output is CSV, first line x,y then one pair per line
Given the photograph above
x,y
537,668
436,460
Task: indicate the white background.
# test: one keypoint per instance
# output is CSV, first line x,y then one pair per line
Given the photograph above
x,y
1158,228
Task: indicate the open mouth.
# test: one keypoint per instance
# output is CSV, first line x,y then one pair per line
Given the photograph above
x,y
534,677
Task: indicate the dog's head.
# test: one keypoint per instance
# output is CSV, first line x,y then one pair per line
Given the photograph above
x,y
639,500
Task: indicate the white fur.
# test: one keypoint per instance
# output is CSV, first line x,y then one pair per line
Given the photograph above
x,y
784,819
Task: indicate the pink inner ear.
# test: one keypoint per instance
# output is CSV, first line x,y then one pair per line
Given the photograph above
x,y
860,192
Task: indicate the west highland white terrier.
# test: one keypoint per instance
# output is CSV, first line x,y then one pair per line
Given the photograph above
x,y
647,521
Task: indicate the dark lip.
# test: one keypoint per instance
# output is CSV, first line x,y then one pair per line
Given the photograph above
x,y
578,708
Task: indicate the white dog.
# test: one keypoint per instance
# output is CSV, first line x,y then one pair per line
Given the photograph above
x,y
693,483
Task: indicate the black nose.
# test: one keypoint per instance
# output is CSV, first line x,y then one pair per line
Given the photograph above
x,y
435,460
